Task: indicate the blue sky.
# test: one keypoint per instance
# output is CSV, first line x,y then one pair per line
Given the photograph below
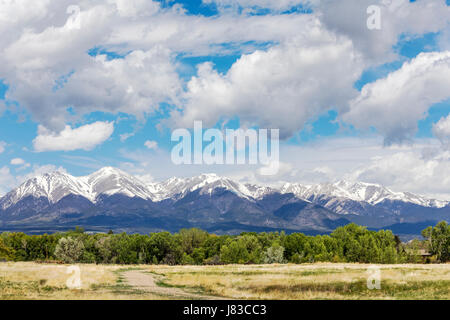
x,y
68,84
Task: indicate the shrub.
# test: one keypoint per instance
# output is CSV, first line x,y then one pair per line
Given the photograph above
x,y
274,254
69,250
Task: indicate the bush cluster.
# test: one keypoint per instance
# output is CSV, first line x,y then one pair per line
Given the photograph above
x,y
351,243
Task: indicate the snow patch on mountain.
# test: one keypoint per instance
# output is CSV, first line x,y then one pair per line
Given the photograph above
x,y
176,188
110,181
57,185
357,191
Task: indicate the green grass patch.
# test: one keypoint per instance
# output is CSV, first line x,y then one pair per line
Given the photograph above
x,y
408,290
26,287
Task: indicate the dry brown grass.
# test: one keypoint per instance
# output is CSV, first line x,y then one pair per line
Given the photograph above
x,y
316,281
28,280
311,281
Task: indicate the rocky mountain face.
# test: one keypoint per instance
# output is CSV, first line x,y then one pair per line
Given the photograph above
x,y
112,199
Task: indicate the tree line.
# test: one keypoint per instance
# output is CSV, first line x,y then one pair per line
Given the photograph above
x,y
351,243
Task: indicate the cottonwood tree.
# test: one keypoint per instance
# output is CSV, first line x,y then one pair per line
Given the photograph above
x,y
439,240
5,252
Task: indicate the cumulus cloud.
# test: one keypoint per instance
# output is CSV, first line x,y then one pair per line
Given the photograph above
x,y
134,85
45,58
409,171
86,137
310,66
398,17
45,61
421,168
203,36
281,88
136,8
49,70
442,131
279,5
393,105
7,180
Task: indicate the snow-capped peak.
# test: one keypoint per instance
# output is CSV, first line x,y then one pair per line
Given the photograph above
x,y
53,186
109,181
206,183
358,191
57,185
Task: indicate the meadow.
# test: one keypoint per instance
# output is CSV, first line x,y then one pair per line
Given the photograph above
x,y
30,280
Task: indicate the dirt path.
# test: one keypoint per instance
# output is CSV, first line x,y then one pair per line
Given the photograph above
x,y
148,282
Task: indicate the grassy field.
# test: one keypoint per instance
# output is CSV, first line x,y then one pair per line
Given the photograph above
x,y
313,281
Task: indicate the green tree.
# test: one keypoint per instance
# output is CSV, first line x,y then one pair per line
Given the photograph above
x,y
6,253
234,252
192,239
294,247
439,240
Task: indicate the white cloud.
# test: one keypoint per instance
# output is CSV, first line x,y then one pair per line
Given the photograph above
x,y
85,137
134,85
409,171
311,65
125,136
2,146
136,8
394,104
420,168
46,63
17,161
279,5
147,178
204,36
279,88
151,144
20,164
49,69
398,17
39,170
442,131
7,180
281,170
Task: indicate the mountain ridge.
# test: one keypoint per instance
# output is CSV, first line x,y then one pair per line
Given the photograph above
x,y
110,180
112,198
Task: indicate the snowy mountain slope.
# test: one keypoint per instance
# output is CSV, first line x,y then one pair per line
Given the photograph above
x,y
53,186
111,198
176,188
357,191
57,185
259,192
110,181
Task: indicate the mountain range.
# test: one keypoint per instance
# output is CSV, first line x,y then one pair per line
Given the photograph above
x,y
113,199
